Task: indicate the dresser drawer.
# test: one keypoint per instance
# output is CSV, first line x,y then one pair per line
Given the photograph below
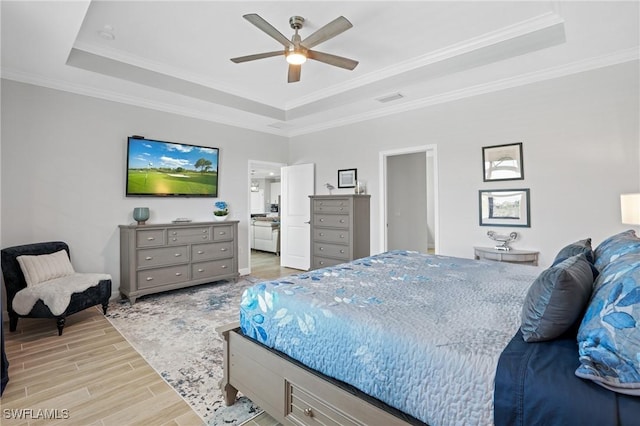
x,y
161,276
188,235
303,408
323,262
150,238
211,251
331,250
332,220
162,256
223,233
331,235
211,269
331,206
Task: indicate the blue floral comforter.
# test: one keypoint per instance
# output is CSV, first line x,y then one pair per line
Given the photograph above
x,y
419,332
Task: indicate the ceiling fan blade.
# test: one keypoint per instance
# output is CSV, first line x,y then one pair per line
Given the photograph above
x,y
256,56
294,73
332,29
337,61
259,22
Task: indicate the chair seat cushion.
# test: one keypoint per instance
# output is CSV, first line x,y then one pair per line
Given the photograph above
x,y
55,293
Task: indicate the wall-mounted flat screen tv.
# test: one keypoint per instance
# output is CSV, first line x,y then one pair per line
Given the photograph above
x,y
169,169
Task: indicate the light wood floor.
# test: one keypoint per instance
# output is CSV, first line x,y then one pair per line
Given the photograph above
x,y
266,265
88,376
91,374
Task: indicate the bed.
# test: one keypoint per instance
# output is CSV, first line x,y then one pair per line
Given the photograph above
x,y
394,339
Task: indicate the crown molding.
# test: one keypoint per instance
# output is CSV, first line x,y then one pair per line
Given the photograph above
x,y
290,130
66,86
619,57
162,68
529,26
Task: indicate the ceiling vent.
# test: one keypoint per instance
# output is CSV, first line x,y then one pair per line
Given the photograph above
x,y
390,98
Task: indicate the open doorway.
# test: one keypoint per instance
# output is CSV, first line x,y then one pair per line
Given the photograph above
x,y
264,191
409,206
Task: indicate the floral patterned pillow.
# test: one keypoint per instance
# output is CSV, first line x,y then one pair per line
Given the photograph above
x,y
615,246
609,336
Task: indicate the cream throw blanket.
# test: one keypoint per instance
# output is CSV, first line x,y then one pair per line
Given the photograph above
x,y
55,293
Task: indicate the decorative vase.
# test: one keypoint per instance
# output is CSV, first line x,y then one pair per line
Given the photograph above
x,y
220,218
141,215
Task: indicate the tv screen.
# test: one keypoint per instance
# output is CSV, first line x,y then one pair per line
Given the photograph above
x,y
169,169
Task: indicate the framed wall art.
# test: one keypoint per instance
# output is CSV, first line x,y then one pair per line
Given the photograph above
x,y
504,207
502,162
347,178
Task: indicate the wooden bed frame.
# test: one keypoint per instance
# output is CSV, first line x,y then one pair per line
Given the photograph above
x,y
289,392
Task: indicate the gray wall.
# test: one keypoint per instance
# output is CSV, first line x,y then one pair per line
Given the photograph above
x,y
581,151
63,163
63,170
407,202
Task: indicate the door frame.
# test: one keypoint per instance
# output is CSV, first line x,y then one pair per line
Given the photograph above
x,y
429,151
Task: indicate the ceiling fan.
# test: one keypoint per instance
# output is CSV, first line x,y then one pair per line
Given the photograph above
x,y
296,50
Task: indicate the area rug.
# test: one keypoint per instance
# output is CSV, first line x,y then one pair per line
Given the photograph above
x,y
175,332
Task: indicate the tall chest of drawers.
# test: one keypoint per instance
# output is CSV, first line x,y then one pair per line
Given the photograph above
x,y
339,229
155,258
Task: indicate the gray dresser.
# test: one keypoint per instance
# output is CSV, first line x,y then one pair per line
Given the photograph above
x,y
339,229
155,258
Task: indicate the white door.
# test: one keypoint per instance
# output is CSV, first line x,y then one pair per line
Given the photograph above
x,y
297,183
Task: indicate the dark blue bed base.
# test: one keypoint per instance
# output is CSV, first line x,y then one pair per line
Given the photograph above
x,y
536,385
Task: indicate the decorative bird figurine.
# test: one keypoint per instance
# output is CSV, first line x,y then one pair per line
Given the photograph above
x,y
329,187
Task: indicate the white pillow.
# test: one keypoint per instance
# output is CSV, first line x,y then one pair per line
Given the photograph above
x,y
45,267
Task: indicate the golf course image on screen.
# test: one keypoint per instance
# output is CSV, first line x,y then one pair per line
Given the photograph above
x,y
158,168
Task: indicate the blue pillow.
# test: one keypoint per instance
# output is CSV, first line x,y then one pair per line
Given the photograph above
x,y
556,299
616,246
582,246
609,335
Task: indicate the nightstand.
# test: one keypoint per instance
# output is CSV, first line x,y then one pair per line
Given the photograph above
x,y
528,257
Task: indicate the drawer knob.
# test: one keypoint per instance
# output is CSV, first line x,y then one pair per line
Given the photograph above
x,y
150,238
224,266
321,262
204,231
341,235
341,220
174,233
148,258
149,278
321,220
178,274
200,270
200,252
223,249
341,208
322,234
177,255
204,237
321,248
174,239
308,412
221,233
341,251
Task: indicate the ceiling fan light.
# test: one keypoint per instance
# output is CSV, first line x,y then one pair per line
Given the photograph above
x,y
296,58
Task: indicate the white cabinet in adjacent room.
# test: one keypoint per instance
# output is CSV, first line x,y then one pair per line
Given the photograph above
x,y
257,202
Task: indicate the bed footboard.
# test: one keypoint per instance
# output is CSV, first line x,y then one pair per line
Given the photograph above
x,y
290,393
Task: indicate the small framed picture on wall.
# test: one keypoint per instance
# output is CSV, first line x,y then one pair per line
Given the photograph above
x,y
347,178
502,162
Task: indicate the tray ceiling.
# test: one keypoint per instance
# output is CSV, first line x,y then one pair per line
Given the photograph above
x,y
174,56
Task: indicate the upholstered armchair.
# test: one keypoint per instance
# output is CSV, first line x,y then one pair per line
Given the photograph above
x,y
41,283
